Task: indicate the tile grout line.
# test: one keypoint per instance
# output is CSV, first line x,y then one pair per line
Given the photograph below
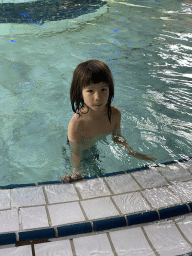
x,y
78,193
117,208
169,183
185,238
149,242
111,244
136,182
72,247
46,207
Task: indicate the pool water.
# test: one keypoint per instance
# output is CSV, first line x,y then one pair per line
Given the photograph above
x,y
147,45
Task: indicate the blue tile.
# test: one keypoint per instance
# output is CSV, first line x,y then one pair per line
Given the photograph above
x,y
190,205
69,230
8,239
37,234
112,174
90,177
173,211
142,218
145,167
48,182
18,185
100,225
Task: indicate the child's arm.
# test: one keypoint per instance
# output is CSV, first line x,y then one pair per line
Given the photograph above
x,y
119,139
74,135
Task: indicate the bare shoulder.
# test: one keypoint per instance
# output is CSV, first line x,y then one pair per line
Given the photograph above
x,y
75,129
116,113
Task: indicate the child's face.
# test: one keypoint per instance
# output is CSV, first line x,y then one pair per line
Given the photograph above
x,y
96,94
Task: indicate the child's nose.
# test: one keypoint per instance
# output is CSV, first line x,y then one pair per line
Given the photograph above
x,y
97,96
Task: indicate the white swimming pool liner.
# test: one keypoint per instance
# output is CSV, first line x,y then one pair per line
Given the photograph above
x,y
94,201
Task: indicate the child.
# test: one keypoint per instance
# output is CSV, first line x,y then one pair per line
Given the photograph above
x,y
91,92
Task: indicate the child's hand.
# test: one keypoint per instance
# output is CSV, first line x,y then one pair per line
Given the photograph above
x,y
72,177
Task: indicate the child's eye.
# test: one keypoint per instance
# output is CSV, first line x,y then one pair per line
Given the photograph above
x,y
89,91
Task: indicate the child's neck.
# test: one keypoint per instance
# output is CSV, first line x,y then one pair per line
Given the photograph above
x,y
95,114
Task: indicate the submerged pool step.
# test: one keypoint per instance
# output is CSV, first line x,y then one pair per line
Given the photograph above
x,y
173,237
58,210
38,18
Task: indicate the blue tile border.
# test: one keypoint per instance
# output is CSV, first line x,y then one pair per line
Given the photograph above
x,y
144,217
74,229
9,238
100,225
97,225
37,234
173,211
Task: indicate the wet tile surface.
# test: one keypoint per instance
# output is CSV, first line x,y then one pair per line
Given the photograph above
x,y
122,183
27,196
93,245
131,203
21,251
131,242
160,197
33,217
58,248
9,221
150,178
175,172
101,199
99,208
166,239
185,224
92,188
65,213
5,199
183,190
61,193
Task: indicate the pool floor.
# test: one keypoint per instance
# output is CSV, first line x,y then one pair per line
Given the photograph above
x,y
138,212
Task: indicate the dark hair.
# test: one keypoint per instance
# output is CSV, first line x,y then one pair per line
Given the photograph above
x,y
86,73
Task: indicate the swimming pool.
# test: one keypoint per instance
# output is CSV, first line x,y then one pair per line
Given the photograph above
x,y
147,45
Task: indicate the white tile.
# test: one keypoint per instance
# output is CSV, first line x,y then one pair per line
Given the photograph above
x,y
92,188
97,245
24,250
183,190
175,172
59,248
61,193
131,242
65,213
9,220
99,208
185,224
33,217
160,197
150,178
187,165
122,183
27,196
166,239
5,201
131,202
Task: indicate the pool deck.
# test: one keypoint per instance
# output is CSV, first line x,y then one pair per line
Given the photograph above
x,y
109,208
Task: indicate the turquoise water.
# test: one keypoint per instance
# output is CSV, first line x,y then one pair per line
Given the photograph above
x,y
147,45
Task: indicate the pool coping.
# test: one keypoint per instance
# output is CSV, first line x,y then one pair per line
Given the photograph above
x,y
104,224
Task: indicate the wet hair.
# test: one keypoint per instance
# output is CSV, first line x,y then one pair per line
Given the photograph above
x,y
86,73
